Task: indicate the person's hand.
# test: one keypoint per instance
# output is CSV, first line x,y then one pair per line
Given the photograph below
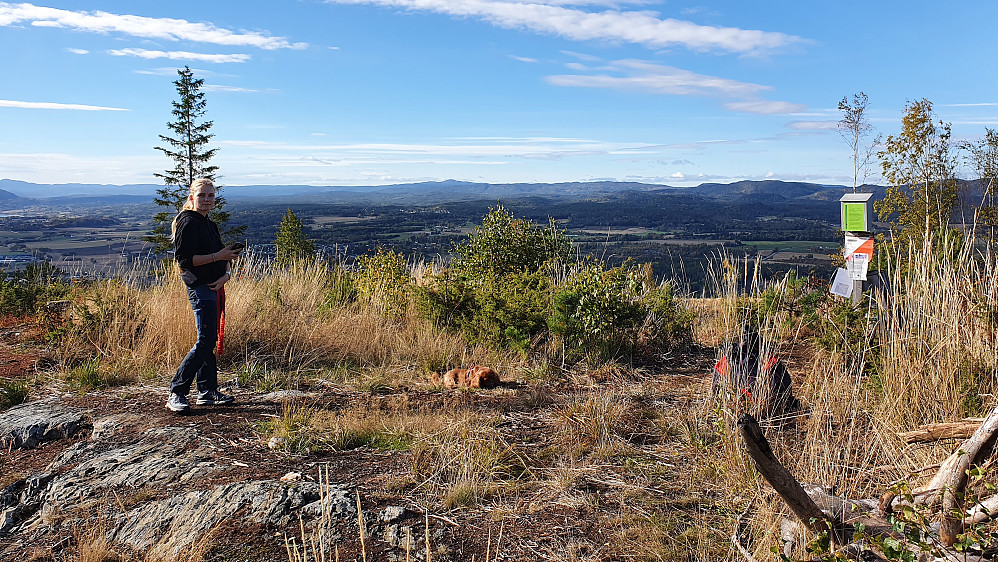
x,y
226,254
218,283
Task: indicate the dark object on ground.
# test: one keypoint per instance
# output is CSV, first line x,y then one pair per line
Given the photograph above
x,y
747,372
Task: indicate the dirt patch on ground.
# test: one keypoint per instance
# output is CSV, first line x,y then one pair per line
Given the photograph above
x,y
19,350
636,498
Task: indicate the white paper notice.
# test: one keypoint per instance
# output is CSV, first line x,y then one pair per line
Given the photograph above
x,y
858,265
842,284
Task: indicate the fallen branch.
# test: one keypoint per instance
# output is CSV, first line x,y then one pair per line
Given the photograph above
x,y
936,431
736,535
952,477
788,488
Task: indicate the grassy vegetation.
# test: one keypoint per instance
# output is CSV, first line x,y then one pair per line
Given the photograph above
x,y
603,424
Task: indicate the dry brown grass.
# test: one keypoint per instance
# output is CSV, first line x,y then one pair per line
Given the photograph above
x,y
939,358
934,361
566,441
293,320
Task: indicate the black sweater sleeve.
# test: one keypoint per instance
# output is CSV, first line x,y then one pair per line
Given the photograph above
x,y
196,235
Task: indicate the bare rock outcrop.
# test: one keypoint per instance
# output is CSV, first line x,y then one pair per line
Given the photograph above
x,y
175,466
27,425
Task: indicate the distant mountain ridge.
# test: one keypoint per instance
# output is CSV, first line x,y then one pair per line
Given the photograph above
x,y
14,193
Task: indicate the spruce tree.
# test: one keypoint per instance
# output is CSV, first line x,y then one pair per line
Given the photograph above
x,y
292,245
188,148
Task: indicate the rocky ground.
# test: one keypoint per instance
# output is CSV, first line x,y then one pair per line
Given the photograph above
x,y
116,466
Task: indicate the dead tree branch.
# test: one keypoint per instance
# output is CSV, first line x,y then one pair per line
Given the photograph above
x,y
788,488
937,431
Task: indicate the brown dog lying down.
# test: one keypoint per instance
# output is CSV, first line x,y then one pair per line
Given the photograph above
x,y
477,376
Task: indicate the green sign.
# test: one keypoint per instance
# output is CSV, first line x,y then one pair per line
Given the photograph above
x,y
855,217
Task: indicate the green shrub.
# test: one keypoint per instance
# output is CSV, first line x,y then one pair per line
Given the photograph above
x,y
27,291
598,311
668,324
497,292
842,326
384,281
291,243
446,299
340,288
504,244
500,311
792,302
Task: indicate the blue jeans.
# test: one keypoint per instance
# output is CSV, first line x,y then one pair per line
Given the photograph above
x,y
200,361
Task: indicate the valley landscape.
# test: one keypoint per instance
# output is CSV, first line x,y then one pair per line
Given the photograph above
x,y
791,225
633,328
605,440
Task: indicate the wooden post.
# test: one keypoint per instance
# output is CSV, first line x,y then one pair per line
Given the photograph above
x,y
789,489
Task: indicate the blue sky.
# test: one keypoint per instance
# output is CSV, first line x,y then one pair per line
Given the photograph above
x,y
365,92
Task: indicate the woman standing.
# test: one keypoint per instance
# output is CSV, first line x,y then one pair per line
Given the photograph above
x,y
205,264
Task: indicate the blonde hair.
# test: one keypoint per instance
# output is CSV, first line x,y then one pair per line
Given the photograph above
x,y
196,186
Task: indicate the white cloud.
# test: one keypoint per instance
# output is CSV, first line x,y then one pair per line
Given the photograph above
x,y
179,55
54,167
639,27
522,59
582,56
234,89
446,152
678,176
814,125
659,79
78,51
48,105
162,71
764,107
984,104
139,26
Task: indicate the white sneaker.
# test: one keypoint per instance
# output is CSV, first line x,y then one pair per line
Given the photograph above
x,y
178,403
210,397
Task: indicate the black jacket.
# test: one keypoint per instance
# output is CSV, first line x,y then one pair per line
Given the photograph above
x,y
197,235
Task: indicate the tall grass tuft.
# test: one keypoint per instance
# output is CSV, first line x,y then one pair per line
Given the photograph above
x,y
938,354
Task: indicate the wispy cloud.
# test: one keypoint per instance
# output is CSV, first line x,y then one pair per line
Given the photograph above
x,y
179,55
659,79
172,71
49,105
447,151
814,125
522,59
644,76
582,56
78,51
235,89
55,167
638,27
765,107
982,104
139,26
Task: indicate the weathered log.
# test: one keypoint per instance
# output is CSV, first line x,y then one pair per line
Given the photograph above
x,y
936,431
983,511
850,512
788,488
951,480
820,510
